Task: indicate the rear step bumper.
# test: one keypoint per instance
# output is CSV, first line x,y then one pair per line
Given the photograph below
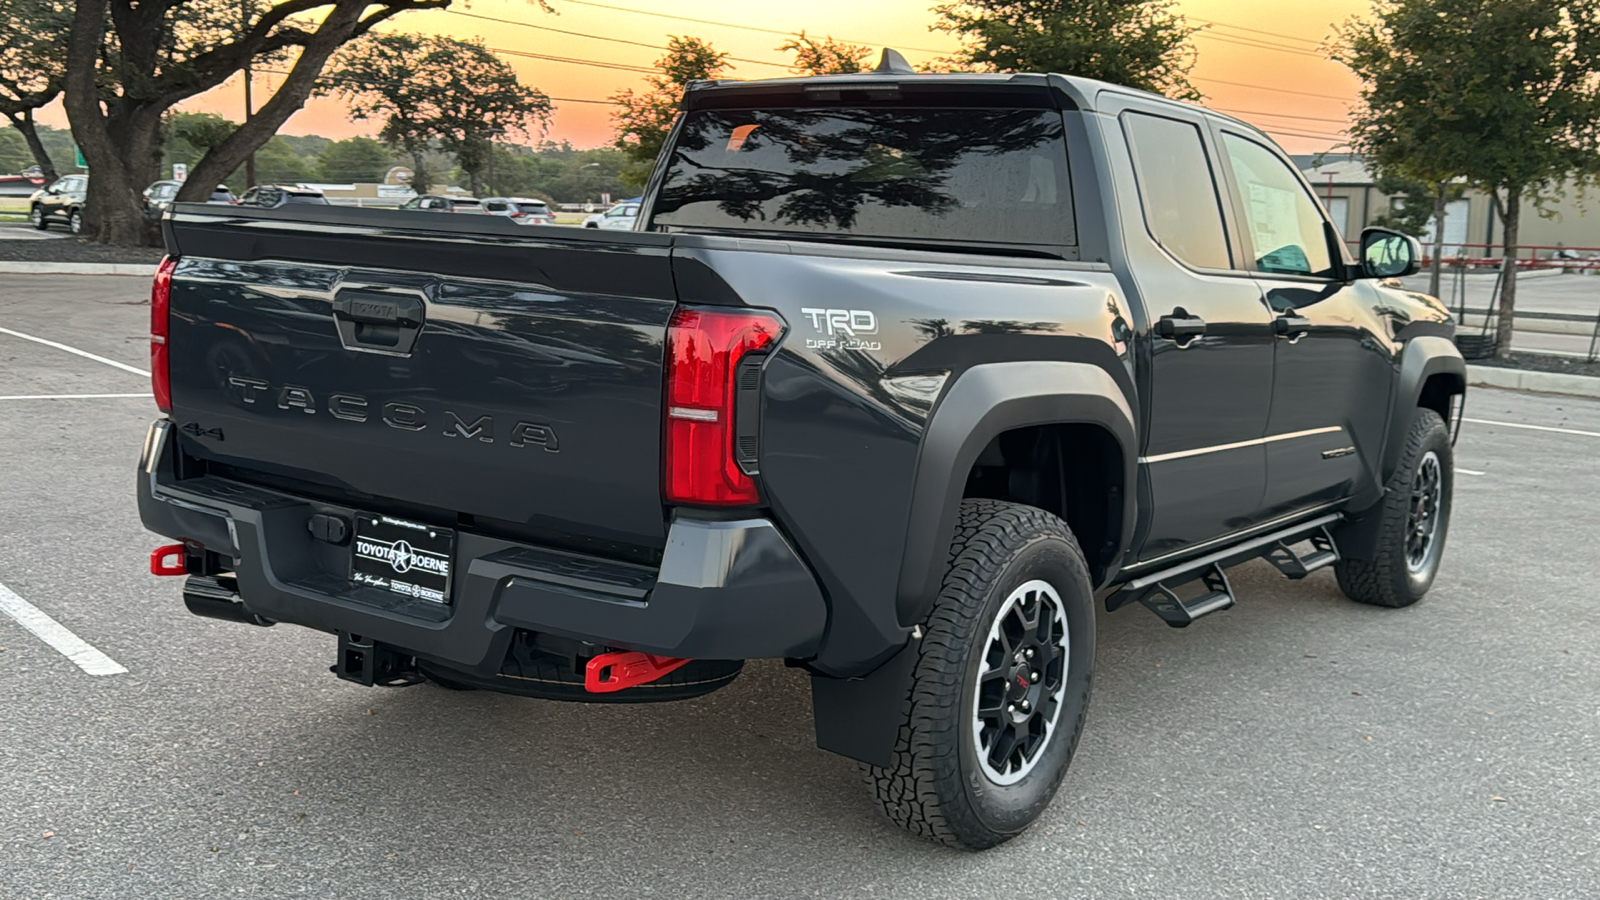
x,y
724,590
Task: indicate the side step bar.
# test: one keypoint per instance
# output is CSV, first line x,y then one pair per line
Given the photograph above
x,y
1156,592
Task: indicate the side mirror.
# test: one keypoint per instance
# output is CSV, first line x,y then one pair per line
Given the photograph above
x,y
1389,254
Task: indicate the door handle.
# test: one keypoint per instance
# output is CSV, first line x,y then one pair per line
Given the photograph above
x,y
1291,326
1180,326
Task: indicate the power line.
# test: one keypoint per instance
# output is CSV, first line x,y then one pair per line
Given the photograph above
x,y
646,12
598,64
1257,112
1262,87
599,37
349,80
1273,34
1262,45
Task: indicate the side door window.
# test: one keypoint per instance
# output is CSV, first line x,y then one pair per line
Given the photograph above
x,y
1182,209
1287,230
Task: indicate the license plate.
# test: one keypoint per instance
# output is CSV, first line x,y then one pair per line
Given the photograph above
x,y
404,557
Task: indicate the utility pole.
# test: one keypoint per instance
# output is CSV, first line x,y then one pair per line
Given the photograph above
x,y
249,161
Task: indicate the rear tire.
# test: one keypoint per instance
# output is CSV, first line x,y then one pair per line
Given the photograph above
x,y
75,221
1414,518
1001,681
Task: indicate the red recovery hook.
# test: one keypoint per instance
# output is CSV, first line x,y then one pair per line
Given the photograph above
x,y
168,560
620,670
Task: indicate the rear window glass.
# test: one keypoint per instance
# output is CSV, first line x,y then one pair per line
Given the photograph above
x,y
972,175
532,208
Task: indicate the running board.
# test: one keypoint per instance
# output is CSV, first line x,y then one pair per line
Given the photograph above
x,y
1156,592
1294,566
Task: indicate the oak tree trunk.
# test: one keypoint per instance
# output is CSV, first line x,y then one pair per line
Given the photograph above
x,y
23,122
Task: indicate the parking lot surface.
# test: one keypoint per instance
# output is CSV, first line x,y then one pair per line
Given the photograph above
x,y
1298,745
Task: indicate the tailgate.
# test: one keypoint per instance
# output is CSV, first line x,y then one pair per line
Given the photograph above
x,y
423,365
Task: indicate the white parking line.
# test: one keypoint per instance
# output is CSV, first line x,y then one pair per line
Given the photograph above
x,y
83,353
1529,427
56,635
1470,471
145,396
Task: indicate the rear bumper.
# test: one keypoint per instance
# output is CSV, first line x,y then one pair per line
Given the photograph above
x,y
724,590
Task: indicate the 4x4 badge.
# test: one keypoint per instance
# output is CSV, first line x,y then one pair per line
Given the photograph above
x,y
193,429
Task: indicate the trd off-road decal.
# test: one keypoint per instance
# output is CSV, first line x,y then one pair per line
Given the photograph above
x,y
843,328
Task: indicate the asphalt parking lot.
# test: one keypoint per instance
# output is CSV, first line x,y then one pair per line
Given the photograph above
x,y
1297,746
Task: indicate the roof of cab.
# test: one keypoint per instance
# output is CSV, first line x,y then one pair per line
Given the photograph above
x,y
1068,91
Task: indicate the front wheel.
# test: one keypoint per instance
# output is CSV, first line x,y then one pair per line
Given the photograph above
x,y
1414,517
1001,681
36,216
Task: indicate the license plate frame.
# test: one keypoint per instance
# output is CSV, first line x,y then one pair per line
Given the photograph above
x,y
403,557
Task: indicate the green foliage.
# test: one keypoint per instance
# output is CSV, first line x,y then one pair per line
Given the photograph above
x,y
32,53
278,163
558,172
358,159
644,118
14,155
1503,92
129,62
436,88
825,56
1412,203
1139,43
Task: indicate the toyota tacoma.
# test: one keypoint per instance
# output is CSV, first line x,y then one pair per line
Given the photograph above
x,y
898,379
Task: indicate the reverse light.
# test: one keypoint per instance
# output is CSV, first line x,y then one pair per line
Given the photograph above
x,y
160,305
704,348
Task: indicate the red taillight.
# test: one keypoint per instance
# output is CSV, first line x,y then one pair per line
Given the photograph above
x,y
160,302
704,347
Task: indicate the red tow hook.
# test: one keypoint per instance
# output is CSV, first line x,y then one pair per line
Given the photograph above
x,y
624,669
168,560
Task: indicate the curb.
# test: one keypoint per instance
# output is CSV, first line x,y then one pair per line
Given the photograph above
x,y
1541,382
147,270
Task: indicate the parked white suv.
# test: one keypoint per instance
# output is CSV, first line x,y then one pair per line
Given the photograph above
x,y
618,218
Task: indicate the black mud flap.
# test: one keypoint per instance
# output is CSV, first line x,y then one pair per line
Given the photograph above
x,y
860,717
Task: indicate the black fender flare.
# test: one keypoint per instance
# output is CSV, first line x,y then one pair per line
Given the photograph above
x,y
986,400
1424,356
860,717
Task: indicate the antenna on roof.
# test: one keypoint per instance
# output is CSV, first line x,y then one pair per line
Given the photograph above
x,y
893,63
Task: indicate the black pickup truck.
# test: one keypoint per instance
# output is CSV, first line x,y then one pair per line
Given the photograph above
x,y
898,378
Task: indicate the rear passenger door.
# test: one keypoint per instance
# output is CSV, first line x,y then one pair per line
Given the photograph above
x,y
1206,377
1333,362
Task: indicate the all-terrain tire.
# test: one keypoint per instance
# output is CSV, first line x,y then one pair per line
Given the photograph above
x,y
939,786
1393,576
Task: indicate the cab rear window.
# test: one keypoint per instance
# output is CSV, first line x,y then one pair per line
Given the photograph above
x,y
964,175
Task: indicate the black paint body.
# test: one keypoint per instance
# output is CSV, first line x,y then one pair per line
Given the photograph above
x,y
508,384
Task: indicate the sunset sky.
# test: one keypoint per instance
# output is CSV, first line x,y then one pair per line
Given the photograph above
x,y
1258,59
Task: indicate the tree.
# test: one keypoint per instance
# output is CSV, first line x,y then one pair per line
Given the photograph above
x,y
32,66
435,88
130,61
644,118
356,159
826,56
14,155
1138,43
1413,204
1505,93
